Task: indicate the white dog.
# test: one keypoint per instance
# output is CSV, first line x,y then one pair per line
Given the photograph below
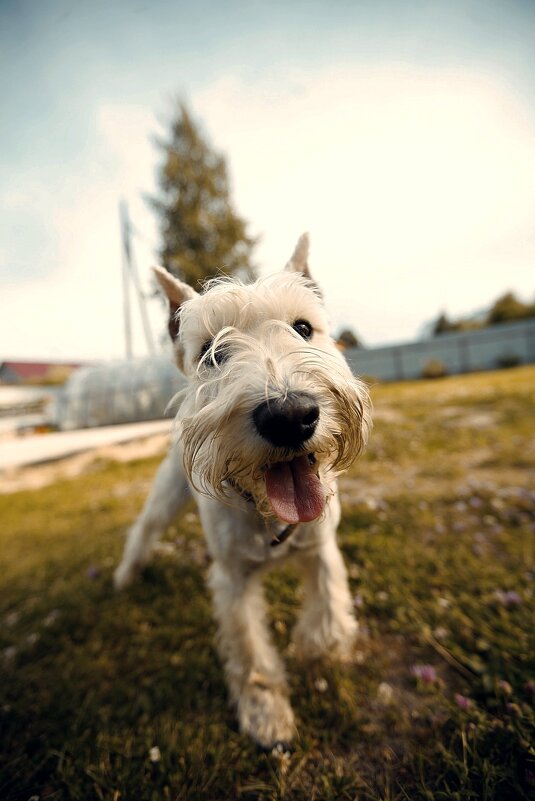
x,y
270,415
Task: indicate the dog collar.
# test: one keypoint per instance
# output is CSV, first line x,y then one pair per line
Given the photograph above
x,y
283,536
277,539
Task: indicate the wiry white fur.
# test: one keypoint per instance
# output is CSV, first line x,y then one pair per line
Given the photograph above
x,y
237,347
266,358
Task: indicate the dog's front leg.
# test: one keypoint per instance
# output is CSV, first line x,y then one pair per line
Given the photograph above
x,y
168,493
327,625
254,671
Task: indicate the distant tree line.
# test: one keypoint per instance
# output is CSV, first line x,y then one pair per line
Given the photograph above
x,y
506,309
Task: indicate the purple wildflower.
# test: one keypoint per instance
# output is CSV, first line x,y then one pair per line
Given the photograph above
x,y
508,597
505,687
514,710
93,572
511,597
424,673
462,701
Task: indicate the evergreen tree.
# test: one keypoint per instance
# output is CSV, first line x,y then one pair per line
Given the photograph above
x,y
508,309
442,325
348,339
202,234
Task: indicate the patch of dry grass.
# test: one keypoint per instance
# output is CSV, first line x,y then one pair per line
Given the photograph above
x,y
108,696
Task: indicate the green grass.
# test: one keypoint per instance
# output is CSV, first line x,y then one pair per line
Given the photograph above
x,y
438,535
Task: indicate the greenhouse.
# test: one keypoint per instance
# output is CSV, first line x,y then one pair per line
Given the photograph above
x,y
118,392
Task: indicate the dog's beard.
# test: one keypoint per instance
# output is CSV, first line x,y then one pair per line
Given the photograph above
x,y
223,452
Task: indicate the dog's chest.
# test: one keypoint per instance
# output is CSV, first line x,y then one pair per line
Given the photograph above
x,y
240,534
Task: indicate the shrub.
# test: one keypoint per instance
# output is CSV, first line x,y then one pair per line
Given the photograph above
x,y
508,360
434,368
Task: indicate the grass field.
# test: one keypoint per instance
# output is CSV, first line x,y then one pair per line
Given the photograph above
x,y
106,696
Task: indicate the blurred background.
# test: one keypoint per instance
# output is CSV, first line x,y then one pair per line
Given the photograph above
x,y
209,136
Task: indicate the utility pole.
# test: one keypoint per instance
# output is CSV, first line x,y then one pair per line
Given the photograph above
x,y
130,272
125,233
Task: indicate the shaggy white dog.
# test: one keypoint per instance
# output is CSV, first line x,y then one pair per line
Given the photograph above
x,y
270,415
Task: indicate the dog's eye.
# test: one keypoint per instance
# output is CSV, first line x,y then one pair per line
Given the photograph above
x,y
303,328
219,355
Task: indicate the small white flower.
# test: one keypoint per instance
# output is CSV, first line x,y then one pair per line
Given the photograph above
x,y
9,654
321,685
51,618
165,548
12,619
371,504
155,754
385,693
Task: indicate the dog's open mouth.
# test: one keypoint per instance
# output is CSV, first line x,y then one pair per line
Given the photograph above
x,y
294,490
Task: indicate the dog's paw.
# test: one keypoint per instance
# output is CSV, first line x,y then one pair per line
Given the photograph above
x,y
124,575
330,638
265,715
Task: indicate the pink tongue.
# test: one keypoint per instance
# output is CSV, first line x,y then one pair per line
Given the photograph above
x,y
294,491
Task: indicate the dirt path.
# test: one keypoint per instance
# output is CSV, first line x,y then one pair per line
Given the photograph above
x,y
37,476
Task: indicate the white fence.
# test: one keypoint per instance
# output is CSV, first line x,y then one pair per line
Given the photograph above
x,y
460,352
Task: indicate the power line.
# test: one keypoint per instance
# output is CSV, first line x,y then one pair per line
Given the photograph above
x,y
130,275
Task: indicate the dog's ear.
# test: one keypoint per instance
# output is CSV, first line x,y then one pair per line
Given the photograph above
x,y
299,259
177,292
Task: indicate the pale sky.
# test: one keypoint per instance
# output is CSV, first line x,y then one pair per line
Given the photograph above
x,y
400,134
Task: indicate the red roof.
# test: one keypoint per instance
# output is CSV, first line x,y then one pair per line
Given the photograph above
x,y
25,370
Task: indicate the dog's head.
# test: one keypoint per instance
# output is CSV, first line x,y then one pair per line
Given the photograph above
x,y
271,406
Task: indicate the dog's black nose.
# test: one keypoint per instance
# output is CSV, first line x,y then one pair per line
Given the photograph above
x,y
287,422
